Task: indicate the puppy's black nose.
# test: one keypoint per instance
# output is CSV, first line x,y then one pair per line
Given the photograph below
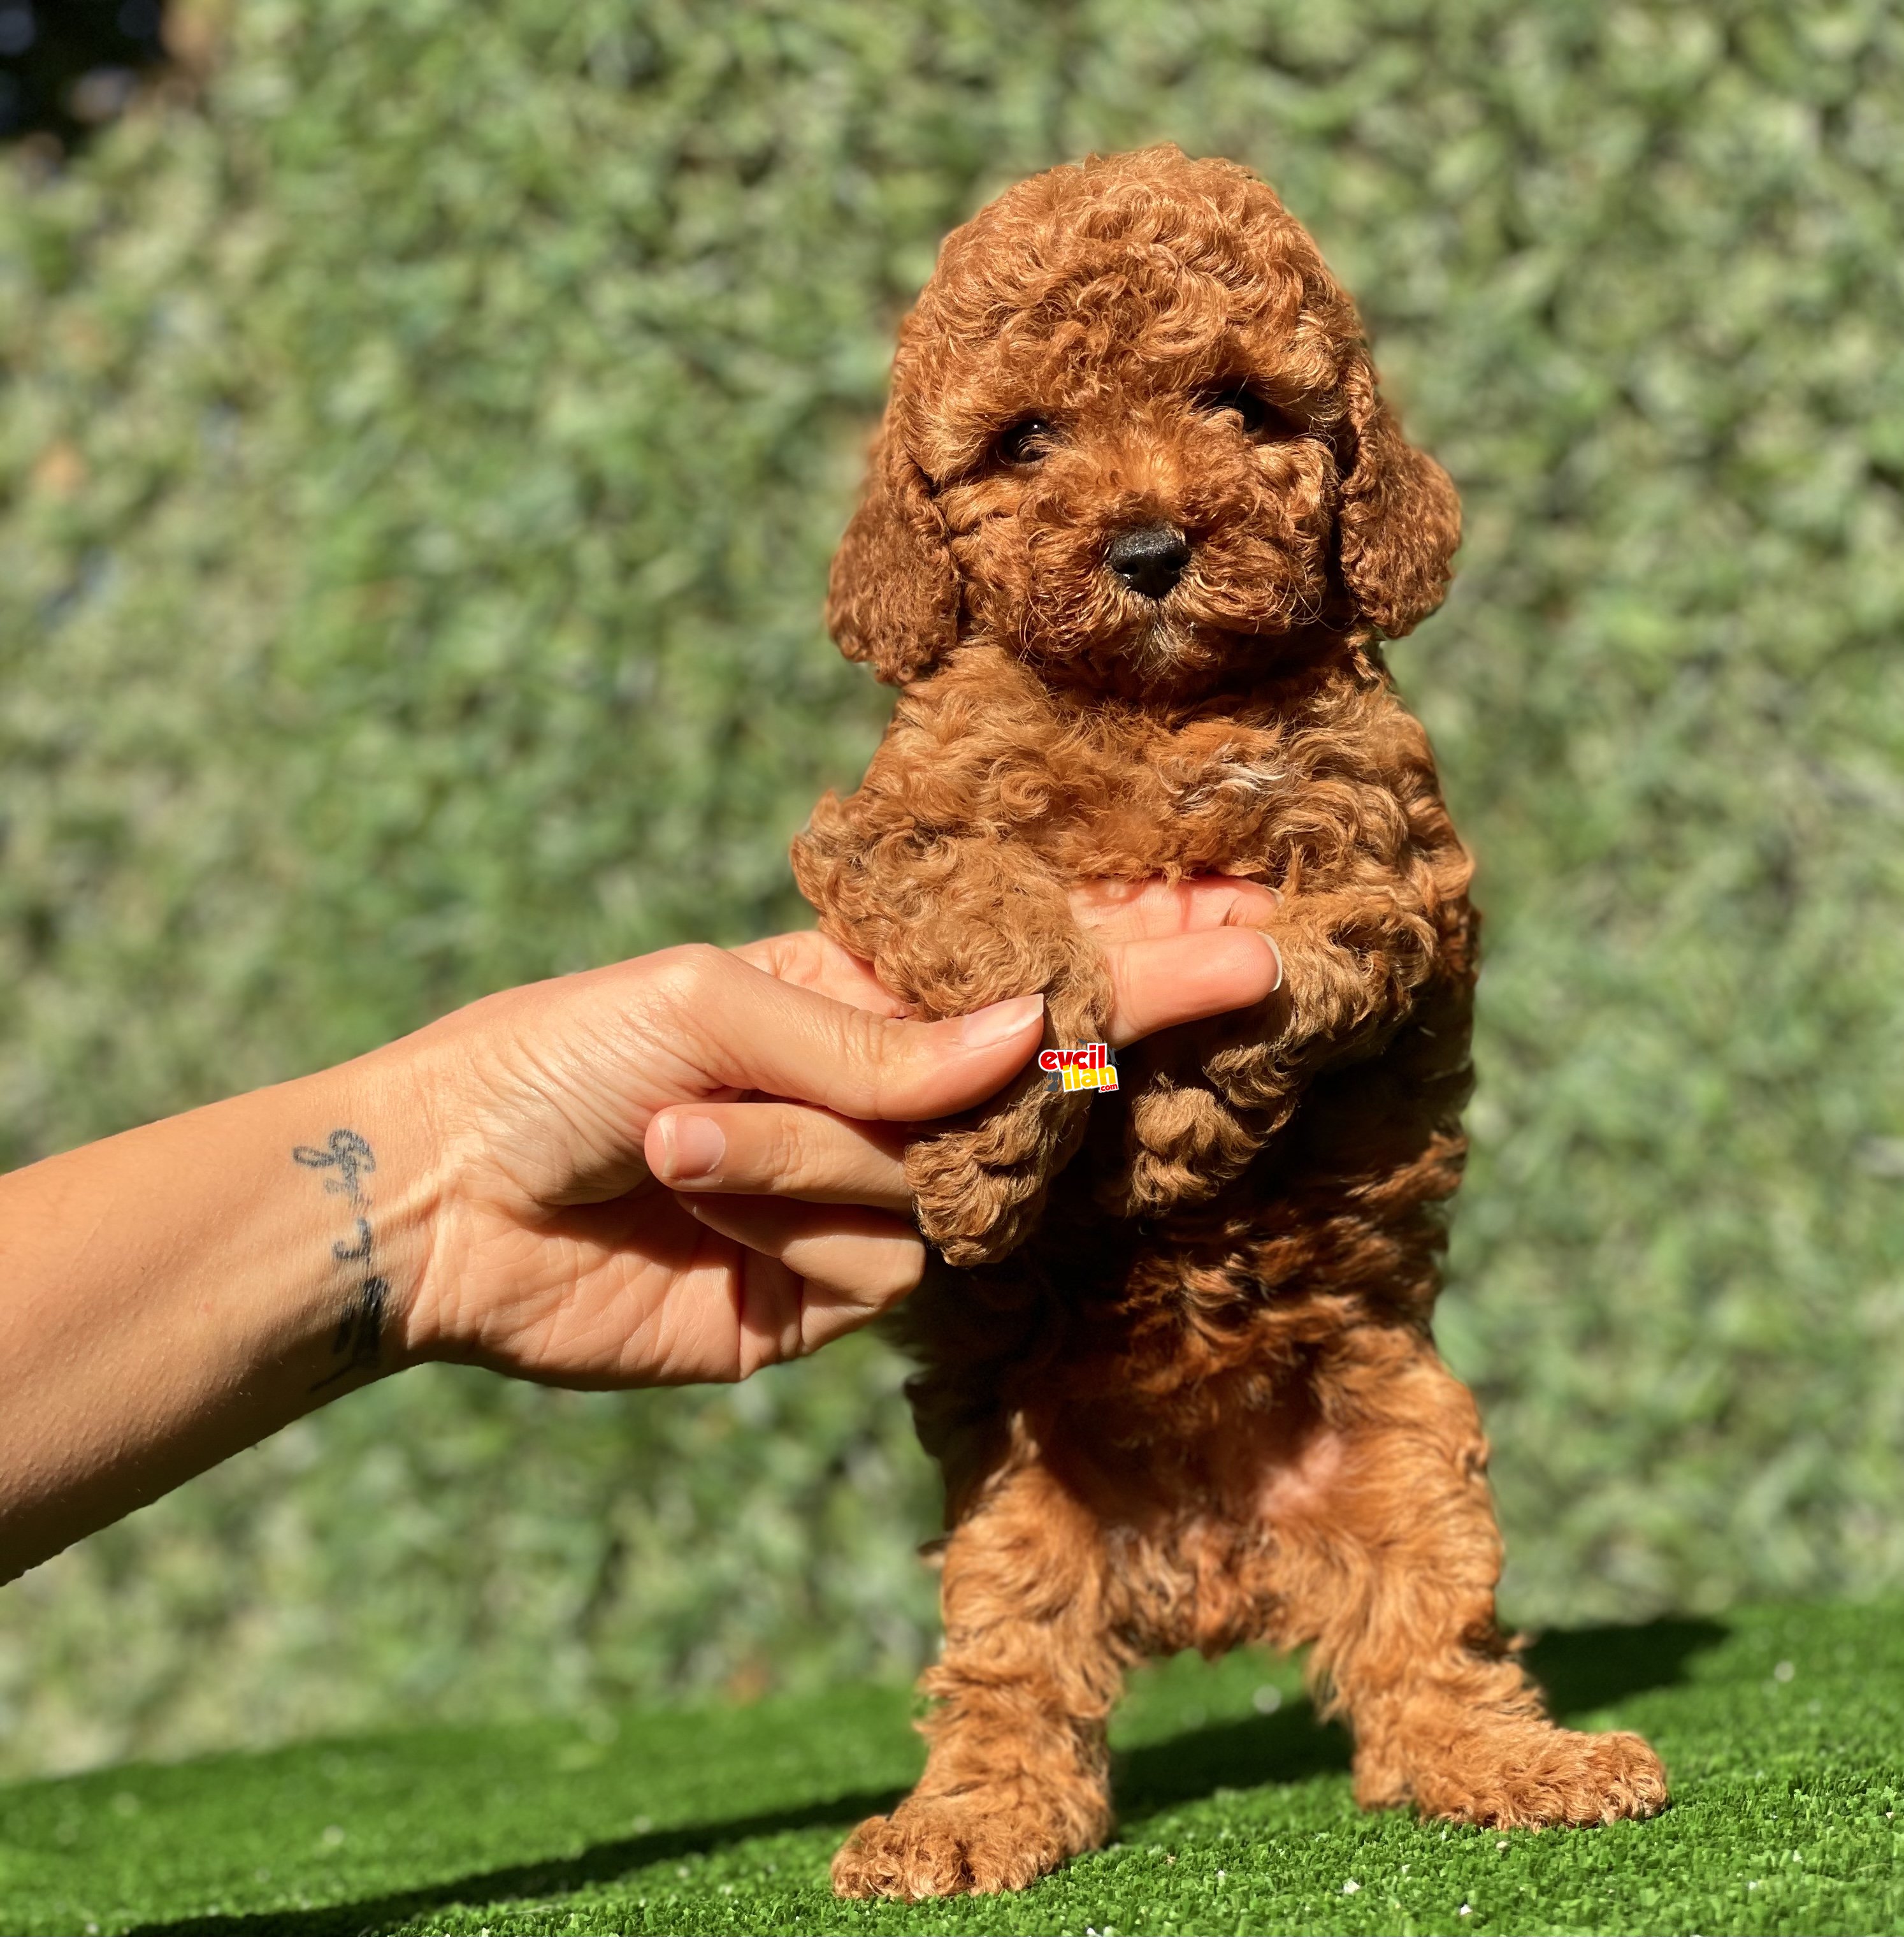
x,y
1149,558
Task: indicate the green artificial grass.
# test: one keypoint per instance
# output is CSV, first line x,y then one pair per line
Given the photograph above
x,y
1784,1728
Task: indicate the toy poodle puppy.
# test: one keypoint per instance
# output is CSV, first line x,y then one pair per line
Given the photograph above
x,y
1137,522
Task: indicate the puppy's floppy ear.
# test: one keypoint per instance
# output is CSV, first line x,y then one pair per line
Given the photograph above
x,y
892,597
1401,520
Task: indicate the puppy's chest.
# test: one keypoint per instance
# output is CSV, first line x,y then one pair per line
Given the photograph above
x,y
1213,802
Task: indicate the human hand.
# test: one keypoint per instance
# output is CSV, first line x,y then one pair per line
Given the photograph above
x,y
615,1208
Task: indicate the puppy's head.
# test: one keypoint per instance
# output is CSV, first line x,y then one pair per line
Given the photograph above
x,y
1134,438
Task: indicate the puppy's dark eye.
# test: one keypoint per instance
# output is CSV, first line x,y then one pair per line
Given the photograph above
x,y
1261,420
1026,441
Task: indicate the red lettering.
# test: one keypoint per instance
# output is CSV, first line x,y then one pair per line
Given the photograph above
x,y
1047,1058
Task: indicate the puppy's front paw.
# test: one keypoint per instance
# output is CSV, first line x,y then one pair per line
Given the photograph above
x,y
947,1846
974,1214
1532,1775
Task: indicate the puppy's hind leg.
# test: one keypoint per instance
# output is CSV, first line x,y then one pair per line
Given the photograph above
x,y
1386,1555
1016,1781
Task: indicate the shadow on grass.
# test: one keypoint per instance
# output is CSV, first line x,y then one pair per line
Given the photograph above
x,y
1583,1670
601,1863
1587,1668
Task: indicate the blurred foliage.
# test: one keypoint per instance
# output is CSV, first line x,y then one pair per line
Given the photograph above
x,y
417,475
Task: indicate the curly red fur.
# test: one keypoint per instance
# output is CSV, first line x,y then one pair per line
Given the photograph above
x,y
1176,1363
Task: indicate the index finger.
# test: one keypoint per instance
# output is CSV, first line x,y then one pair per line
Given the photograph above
x,y
1124,911
1187,966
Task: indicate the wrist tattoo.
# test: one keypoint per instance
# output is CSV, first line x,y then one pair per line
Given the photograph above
x,y
348,1159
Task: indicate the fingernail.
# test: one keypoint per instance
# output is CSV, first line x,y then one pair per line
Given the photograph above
x,y
984,1028
692,1147
1275,956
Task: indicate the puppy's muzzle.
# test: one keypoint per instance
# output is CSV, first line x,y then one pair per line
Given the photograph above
x,y
1149,558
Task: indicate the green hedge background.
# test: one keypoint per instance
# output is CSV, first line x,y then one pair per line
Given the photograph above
x,y
419,464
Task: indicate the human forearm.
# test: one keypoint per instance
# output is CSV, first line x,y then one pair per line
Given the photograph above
x,y
174,1294
479,1191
